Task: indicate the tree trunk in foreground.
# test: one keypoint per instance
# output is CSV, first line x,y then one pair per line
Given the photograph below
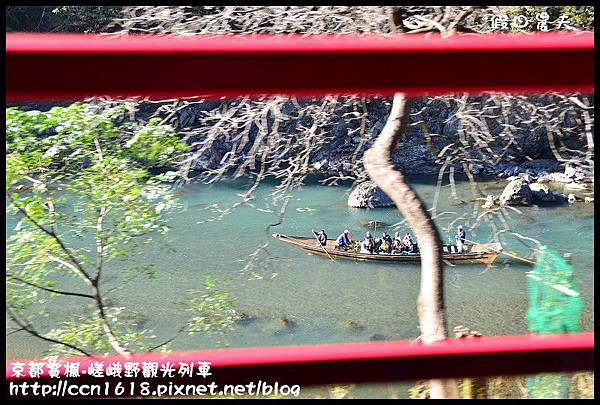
x,y
430,304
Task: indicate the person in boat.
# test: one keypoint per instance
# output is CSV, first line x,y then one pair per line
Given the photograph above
x,y
368,244
386,243
460,239
386,238
344,240
407,242
397,244
321,236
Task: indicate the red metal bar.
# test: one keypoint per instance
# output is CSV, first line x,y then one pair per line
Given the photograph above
x,y
70,66
374,361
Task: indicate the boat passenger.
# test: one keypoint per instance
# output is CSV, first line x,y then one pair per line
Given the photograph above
x,y
344,240
387,238
368,244
460,239
407,242
386,244
321,236
376,245
397,244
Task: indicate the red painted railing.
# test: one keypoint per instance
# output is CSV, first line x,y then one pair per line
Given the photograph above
x,y
51,67
377,361
42,66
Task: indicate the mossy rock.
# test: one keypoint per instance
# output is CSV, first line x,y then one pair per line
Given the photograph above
x,y
286,325
372,224
457,201
355,326
133,318
243,318
377,337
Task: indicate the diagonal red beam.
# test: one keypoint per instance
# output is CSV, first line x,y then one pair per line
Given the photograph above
x,y
368,361
71,66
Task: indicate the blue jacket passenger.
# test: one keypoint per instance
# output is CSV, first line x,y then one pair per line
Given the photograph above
x,y
343,240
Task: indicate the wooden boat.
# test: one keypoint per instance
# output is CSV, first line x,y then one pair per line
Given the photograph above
x,y
484,253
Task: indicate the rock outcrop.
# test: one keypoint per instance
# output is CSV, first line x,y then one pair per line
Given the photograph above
x,y
541,192
348,138
516,192
369,195
521,190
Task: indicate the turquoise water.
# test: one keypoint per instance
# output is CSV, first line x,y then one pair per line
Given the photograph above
x,y
321,295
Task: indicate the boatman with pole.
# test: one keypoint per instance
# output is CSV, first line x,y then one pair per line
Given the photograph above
x,y
321,237
461,235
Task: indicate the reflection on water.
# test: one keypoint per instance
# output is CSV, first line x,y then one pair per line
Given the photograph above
x,y
324,298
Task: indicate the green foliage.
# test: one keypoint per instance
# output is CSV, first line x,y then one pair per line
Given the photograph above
x,y
71,172
154,144
212,310
80,184
86,332
583,16
65,136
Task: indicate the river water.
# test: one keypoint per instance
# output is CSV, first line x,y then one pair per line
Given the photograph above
x,y
319,295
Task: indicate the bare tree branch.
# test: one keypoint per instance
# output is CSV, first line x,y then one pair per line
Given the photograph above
x,y
431,309
60,292
26,327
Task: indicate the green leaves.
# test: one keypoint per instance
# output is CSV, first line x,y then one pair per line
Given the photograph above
x,y
65,135
212,309
81,187
86,332
155,145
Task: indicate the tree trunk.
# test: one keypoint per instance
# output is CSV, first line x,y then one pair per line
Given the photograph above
x,y
430,304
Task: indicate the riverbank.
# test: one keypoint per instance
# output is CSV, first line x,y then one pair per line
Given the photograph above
x,y
497,136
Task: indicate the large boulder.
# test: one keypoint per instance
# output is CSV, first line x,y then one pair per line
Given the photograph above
x,y
541,193
516,192
368,195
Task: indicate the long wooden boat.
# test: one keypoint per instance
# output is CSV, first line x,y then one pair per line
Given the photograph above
x,y
484,253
